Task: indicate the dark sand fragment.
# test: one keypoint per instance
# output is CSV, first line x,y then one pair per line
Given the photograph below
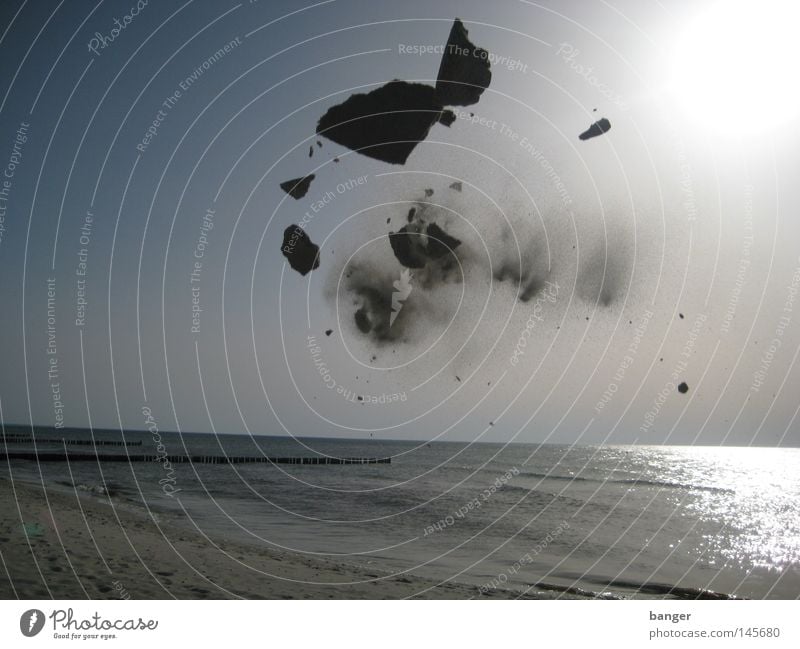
x,y
464,71
447,118
386,123
529,283
299,250
598,128
408,247
297,187
439,242
373,290
362,321
414,245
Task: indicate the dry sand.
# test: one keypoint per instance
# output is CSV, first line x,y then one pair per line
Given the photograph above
x,y
63,544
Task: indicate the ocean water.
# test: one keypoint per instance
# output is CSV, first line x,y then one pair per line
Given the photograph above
x,y
611,521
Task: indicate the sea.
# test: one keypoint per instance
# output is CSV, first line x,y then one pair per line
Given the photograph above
x,y
526,519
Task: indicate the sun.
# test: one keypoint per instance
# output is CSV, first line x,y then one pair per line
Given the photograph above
x,y
734,67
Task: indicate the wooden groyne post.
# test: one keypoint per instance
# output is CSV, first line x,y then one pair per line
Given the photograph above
x,y
66,456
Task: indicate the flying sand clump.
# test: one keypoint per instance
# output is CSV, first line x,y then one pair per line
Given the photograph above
x,y
387,123
524,264
602,273
390,300
371,288
416,244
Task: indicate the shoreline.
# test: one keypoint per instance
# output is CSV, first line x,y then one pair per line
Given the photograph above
x,y
61,545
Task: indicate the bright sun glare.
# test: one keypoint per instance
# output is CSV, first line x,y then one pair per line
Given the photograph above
x,y
734,66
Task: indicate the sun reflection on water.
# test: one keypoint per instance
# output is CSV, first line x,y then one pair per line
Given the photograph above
x,y
754,499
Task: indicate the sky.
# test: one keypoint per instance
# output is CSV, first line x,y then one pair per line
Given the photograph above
x,y
143,220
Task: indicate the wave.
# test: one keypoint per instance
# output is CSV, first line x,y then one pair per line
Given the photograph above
x,y
546,496
96,489
574,590
652,587
631,481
